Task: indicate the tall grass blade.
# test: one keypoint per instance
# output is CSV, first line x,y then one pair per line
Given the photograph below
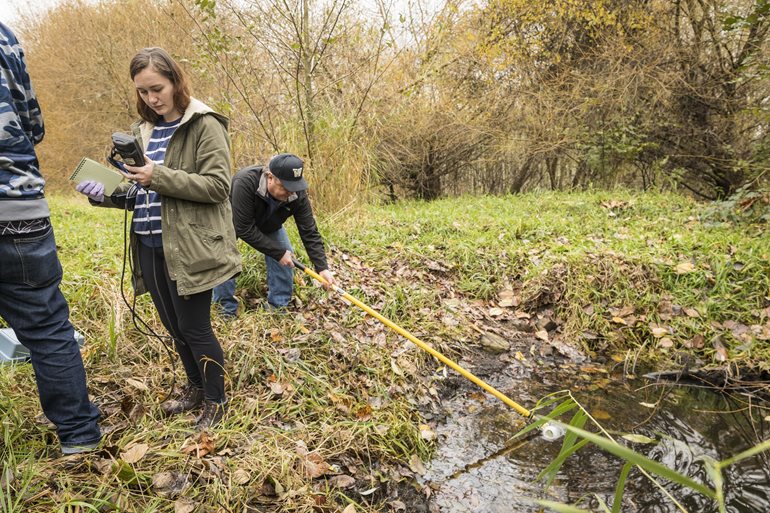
x,y
553,468
618,500
568,448
748,453
561,409
641,461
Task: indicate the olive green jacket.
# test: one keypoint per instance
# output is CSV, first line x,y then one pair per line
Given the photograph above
x,y
196,217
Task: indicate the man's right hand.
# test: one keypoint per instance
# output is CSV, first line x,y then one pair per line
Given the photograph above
x,y
94,190
287,259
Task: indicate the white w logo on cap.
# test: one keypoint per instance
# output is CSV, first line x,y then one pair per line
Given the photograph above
x,y
297,172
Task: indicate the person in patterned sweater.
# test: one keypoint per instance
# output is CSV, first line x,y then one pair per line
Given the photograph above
x,y
30,272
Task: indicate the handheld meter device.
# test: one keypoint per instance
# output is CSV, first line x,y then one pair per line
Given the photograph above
x,y
128,148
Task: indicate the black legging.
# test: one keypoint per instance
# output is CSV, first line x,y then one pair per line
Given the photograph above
x,y
188,320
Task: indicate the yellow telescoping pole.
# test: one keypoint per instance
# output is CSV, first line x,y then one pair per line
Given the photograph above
x,y
422,345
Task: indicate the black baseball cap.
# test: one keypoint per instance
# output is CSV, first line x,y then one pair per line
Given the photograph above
x,y
289,169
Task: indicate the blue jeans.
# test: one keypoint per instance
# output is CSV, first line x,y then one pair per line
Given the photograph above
x,y
280,280
224,296
34,307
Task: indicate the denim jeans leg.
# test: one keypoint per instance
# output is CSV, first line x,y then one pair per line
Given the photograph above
x,y
224,295
34,307
280,278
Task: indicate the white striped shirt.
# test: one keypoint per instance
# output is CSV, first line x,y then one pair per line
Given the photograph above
x,y
147,217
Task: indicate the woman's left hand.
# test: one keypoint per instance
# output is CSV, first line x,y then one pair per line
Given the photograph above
x,y
141,175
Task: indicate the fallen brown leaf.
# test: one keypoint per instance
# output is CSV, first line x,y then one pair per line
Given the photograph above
x,y
201,444
169,484
184,505
364,413
312,462
134,453
241,477
721,350
416,465
696,342
139,385
341,481
507,298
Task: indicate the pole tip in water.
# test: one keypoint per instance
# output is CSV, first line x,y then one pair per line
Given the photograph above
x,y
552,432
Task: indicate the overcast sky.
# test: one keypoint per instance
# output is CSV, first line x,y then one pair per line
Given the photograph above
x,y
12,10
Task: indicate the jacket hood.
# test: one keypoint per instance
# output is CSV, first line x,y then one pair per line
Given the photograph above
x,y
195,110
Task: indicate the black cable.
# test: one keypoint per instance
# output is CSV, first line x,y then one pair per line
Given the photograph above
x,y
127,252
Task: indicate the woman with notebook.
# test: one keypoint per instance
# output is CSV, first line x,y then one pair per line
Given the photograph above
x,y
182,237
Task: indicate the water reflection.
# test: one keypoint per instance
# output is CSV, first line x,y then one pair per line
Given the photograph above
x,y
474,471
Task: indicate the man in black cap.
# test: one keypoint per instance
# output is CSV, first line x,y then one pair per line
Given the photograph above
x,y
263,198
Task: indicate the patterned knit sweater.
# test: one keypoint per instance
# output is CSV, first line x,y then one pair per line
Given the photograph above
x,y
21,128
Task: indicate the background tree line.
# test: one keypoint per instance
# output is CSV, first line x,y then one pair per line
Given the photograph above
x,y
416,100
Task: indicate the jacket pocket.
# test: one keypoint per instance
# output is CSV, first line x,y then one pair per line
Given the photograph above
x,y
203,249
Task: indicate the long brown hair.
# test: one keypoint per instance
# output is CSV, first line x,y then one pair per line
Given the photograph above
x,y
161,62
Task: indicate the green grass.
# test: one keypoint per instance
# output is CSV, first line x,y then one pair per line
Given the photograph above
x,y
572,253
330,379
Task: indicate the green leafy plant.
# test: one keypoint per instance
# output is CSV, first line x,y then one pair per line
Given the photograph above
x,y
747,205
577,437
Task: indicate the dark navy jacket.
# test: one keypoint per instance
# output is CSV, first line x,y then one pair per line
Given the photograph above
x,y
253,219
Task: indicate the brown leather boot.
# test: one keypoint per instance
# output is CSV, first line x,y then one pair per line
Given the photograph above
x,y
190,398
211,416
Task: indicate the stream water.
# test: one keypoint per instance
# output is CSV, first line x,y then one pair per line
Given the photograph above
x,y
477,469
